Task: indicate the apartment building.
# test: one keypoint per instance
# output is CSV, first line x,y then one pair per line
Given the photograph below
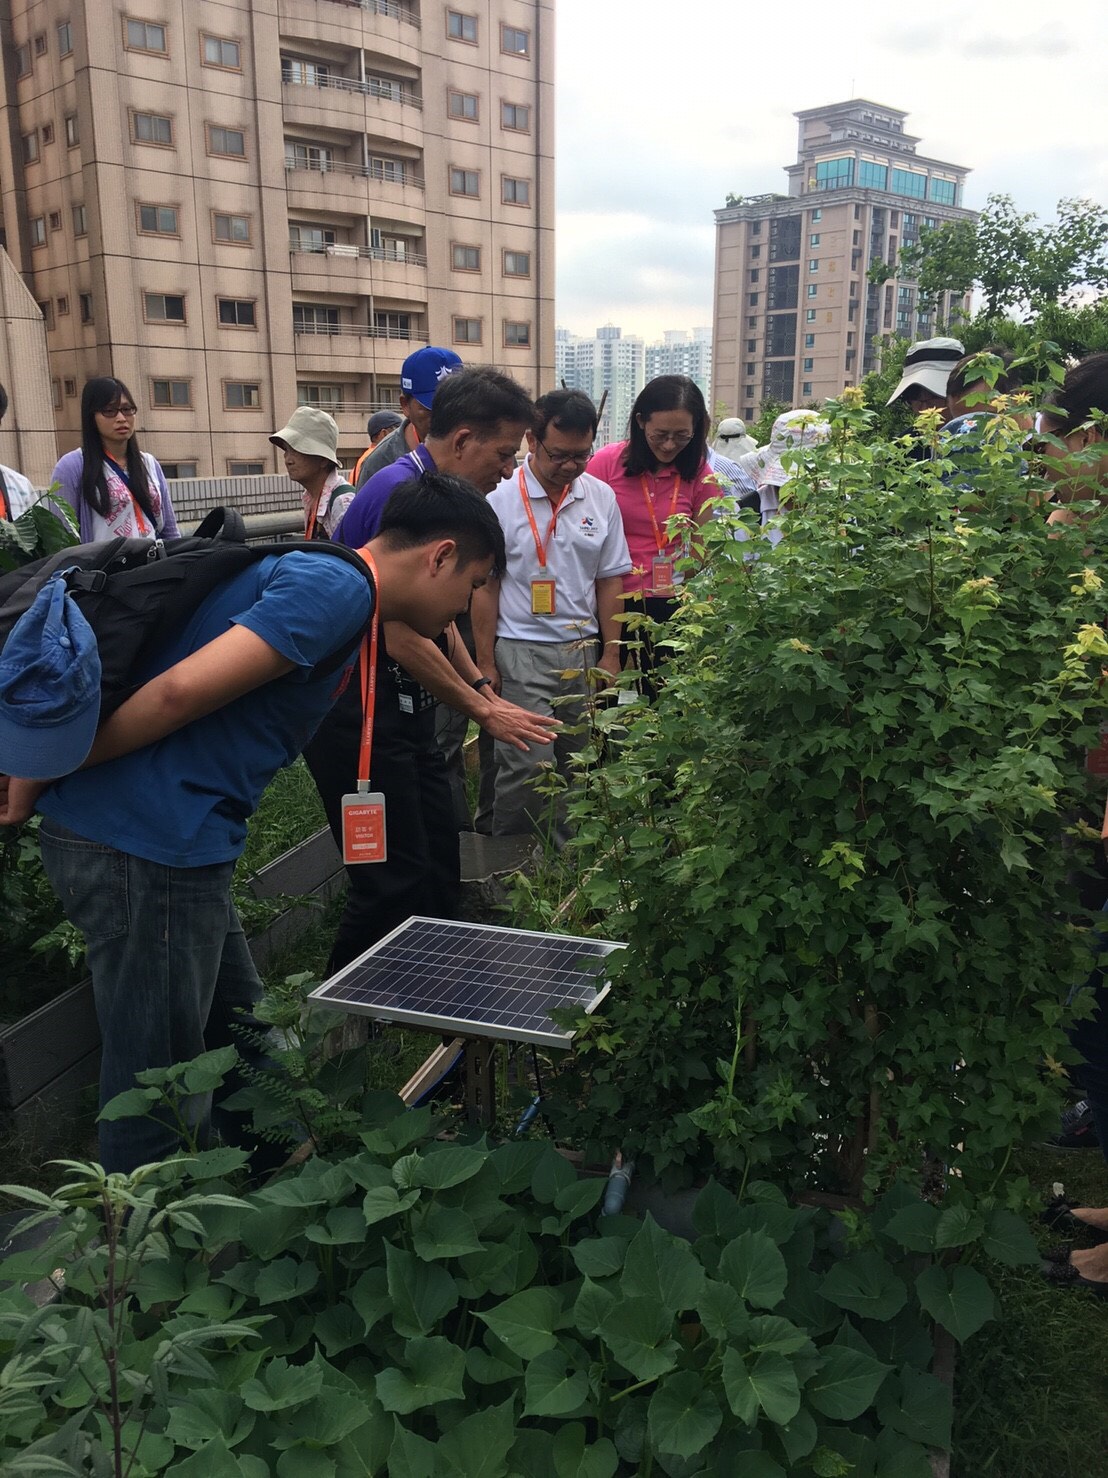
x,y
681,352
238,207
796,317
607,367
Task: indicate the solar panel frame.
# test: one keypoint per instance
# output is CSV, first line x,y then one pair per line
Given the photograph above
x,y
369,985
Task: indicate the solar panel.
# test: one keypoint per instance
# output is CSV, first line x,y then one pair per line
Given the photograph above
x,y
476,980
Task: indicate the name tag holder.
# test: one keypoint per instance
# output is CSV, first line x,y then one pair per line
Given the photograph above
x,y
364,837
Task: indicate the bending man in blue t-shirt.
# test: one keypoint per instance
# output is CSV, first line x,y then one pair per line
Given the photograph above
x,y
140,843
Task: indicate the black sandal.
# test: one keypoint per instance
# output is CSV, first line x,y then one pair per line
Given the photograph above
x,y
1060,1218
1065,1275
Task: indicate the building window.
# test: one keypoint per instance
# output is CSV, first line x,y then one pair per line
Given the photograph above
x,y
175,471
163,307
88,314
756,229
835,174
65,38
242,395
310,238
809,315
46,308
38,230
388,325
23,63
55,220
514,191
752,320
233,229
69,386
813,240
515,116
47,133
72,132
749,367
174,395
467,330
942,191
517,335
463,105
465,258
325,397
314,318
817,215
29,147
144,36
152,128
753,274
909,182
63,306
158,220
56,394
517,264
514,42
813,289
809,341
808,366
873,176
229,142
237,312
461,27
813,264
80,221
465,182
752,300
751,345
304,74
218,52
245,469
806,388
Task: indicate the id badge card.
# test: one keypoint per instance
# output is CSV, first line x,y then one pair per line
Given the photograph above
x,y
542,597
661,576
363,827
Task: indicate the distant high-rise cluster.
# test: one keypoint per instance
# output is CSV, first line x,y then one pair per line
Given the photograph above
x,y
621,366
796,315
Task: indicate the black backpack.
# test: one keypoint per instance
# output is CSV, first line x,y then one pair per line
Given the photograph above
x,y
137,594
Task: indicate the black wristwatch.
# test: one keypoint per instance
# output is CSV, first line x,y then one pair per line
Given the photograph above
x,y
482,682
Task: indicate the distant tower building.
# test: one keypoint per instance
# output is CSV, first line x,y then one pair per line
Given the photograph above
x,y
796,317
608,363
683,353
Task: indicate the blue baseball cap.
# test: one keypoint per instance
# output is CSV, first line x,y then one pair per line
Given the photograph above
x,y
423,372
49,688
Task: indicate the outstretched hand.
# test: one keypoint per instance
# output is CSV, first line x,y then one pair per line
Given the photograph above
x,y
18,799
517,726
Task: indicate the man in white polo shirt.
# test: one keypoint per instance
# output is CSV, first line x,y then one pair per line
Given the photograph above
x,y
554,610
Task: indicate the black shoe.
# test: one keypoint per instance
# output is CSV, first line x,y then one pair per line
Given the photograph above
x,y
1059,1216
1065,1275
1078,1132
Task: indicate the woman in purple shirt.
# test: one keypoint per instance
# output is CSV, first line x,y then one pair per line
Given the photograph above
x,y
113,487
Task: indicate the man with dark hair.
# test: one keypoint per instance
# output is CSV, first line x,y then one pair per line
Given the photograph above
x,y
140,839
478,419
421,374
553,611
16,492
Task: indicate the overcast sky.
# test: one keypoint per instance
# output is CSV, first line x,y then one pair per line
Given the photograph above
x,y
664,108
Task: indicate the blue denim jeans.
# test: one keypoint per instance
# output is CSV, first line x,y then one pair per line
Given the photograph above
x,y
171,975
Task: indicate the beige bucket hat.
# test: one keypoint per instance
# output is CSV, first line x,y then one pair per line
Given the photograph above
x,y
311,432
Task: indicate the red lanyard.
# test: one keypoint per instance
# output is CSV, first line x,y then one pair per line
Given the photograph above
x,y
310,531
369,676
659,534
540,544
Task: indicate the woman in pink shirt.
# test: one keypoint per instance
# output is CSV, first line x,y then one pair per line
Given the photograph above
x,y
659,471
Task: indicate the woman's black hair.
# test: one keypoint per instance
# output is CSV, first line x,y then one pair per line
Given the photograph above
x,y
667,393
1084,390
104,394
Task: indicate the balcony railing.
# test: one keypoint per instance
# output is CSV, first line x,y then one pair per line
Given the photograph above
x,y
382,7
373,253
369,171
392,92
363,330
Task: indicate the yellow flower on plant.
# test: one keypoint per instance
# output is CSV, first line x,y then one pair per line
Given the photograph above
x,y
797,645
928,422
853,397
1090,581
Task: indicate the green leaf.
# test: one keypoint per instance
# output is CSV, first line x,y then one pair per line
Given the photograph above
x,y
410,1456
770,1385
897,1457
344,1226
433,1371
552,1173
214,1460
913,1227
478,1446
799,1436
526,1322
489,1369
551,1388
716,1213
755,1268
440,1168
846,1383
284,1280
339,1327
370,1296
591,1307
383,1201
769,1332
865,1284
599,1257
683,1416
959,1299
515,1163
573,1459
722,1311
443,1231
919,1406
659,1267
133,1103
207,1415
421,1292
639,1335
1008,1239
281,1386
958,1227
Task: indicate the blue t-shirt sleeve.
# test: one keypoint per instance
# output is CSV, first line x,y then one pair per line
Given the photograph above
x,y
311,606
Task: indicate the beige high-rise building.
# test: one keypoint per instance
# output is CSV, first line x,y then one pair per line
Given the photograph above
x,y
796,316
237,207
